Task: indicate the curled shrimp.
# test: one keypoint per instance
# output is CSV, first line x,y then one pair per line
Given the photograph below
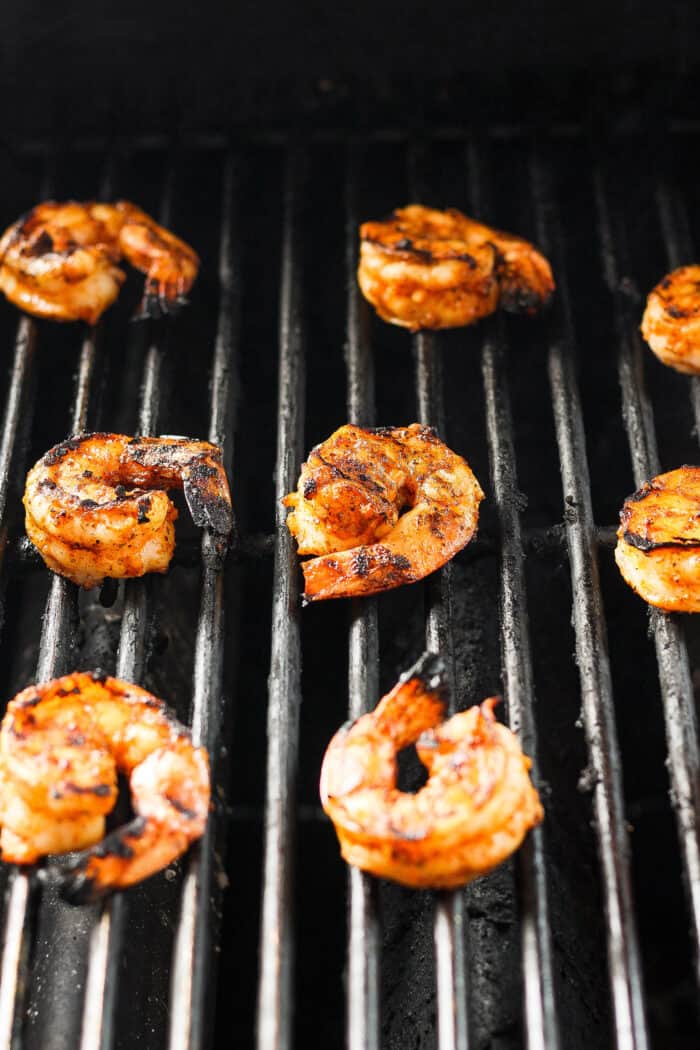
x,y
658,545
62,744
95,504
60,260
474,810
351,492
425,268
671,322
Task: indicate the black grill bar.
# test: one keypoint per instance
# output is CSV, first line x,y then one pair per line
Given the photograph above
x,y
98,1028
191,973
25,347
363,653
671,651
540,1011
55,652
450,928
591,641
284,691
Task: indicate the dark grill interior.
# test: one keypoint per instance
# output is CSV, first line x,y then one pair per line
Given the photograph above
x,y
588,938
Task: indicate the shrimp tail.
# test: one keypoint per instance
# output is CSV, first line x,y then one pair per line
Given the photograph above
x,y
522,290
208,507
431,672
90,875
154,306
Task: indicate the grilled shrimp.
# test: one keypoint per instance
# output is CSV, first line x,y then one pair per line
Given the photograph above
x,y
658,544
60,260
95,504
474,811
347,505
62,744
424,268
671,322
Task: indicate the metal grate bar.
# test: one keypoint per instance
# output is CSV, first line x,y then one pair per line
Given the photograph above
x,y
25,351
540,1010
25,347
671,652
191,972
591,642
55,657
284,691
55,652
450,927
363,654
98,1027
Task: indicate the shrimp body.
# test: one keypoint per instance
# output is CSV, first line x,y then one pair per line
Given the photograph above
x,y
424,268
60,260
671,322
347,505
473,812
95,504
62,744
658,545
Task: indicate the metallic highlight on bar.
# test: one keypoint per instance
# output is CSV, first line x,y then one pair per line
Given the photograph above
x,y
274,1012
591,642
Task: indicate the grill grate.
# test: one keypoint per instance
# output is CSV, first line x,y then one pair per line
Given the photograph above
x,y
471,385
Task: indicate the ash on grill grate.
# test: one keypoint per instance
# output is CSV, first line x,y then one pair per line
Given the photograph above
x,y
583,939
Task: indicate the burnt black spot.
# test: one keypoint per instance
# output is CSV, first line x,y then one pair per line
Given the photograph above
x,y
75,691
640,494
120,492
60,451
42,245
47,483
144,505
676,312
361,563
309,488
399,561
467,258
87,474
185,810
405,244
89,504
32,701
642,543
520,299
200,471
100,790
98,675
